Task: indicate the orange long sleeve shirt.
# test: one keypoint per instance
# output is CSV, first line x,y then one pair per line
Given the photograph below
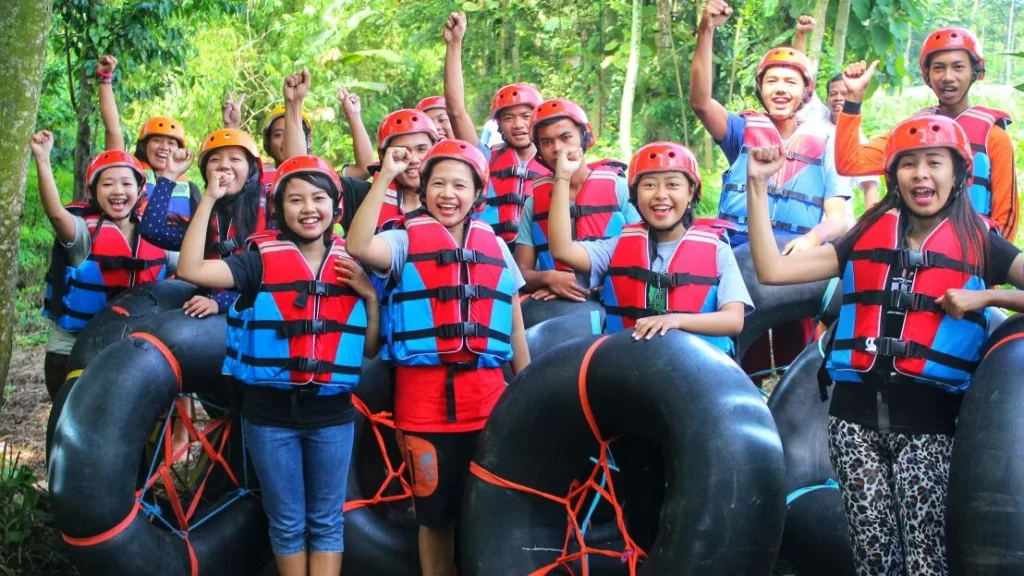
x,y
856,159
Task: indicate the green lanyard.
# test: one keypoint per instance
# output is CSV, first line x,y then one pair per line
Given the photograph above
x,y
657,298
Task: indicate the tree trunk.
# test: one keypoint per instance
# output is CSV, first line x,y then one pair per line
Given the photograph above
x,y
629,84
818,34
839,33
663,31
1009,43
683,100
83,141
24,30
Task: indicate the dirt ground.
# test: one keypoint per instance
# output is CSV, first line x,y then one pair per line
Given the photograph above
x,y
23,417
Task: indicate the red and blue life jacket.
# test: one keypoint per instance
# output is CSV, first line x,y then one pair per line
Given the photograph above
x,y
453,304
74,294
933,348
303,327
691,279
796,193
977,122
595,214
511,184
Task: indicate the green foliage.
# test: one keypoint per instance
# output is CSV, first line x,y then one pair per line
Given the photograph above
x,y
28,538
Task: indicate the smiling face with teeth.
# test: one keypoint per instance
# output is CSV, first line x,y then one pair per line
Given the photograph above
x,y
662,198
116,192
782,89
514,124
307,209
950,76
233,160
450,192
159,150
925,179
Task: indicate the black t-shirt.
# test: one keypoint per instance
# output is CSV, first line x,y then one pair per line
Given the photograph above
x,y
896,404
266,406
353,192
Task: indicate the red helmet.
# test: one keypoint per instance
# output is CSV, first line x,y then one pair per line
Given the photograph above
x,y
952,38
114,159
928,131
431,103
665,157
401,122
562,108
305,164
513,95
787,58
452,149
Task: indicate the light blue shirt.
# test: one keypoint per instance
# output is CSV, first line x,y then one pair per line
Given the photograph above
x,y
731,287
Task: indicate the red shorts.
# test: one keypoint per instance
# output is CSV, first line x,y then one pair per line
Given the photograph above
x,y
421,402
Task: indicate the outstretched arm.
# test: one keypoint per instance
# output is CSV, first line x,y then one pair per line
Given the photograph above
x,y
63,222
454,91
853,158
362,147
710,112
296,87
108,105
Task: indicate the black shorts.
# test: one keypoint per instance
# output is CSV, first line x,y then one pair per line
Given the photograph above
x,y
439,466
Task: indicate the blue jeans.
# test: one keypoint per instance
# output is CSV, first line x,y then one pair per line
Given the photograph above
x,y
303,474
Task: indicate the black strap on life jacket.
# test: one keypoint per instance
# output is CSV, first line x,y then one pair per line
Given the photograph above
x,y
451,256
896,348
907,259
517,199
776,224
292,328
449,385
576,211
456,330
311,365
905,301
515,172
662,279
460,292
307,288
782,193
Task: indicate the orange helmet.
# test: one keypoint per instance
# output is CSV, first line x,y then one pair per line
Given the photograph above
x,y
927,131
401,122
113,159
562,108
228,137
952,38
452,149
163,126
431,103
787,58
665,157
513,95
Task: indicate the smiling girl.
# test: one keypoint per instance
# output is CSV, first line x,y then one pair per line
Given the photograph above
x,y
98,252
454,319
226,155
915,270
296,337
666,272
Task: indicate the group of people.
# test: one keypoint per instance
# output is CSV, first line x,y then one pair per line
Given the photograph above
x,y
425,264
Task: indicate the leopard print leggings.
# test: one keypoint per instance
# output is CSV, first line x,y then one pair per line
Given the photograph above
x,y
894,491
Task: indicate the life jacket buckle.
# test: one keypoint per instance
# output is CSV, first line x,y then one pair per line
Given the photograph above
x,y
456,255
901,300
311,365
459,330
891,346
912,258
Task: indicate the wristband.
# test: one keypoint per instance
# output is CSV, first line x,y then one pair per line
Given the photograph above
x,y
852,108
106,81
104,75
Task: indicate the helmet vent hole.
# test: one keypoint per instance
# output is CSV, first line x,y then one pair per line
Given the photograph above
x,y
399,121
935,128
913,130
671,154
954,35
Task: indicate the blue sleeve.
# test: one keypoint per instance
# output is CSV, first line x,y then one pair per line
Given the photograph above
x,y
399,241
224,300
525,236
154,226
600,253
731,287
733,141
517,277
628,210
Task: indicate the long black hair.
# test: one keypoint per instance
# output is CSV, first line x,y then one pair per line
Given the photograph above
x,y
970,230
318,181
243,208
